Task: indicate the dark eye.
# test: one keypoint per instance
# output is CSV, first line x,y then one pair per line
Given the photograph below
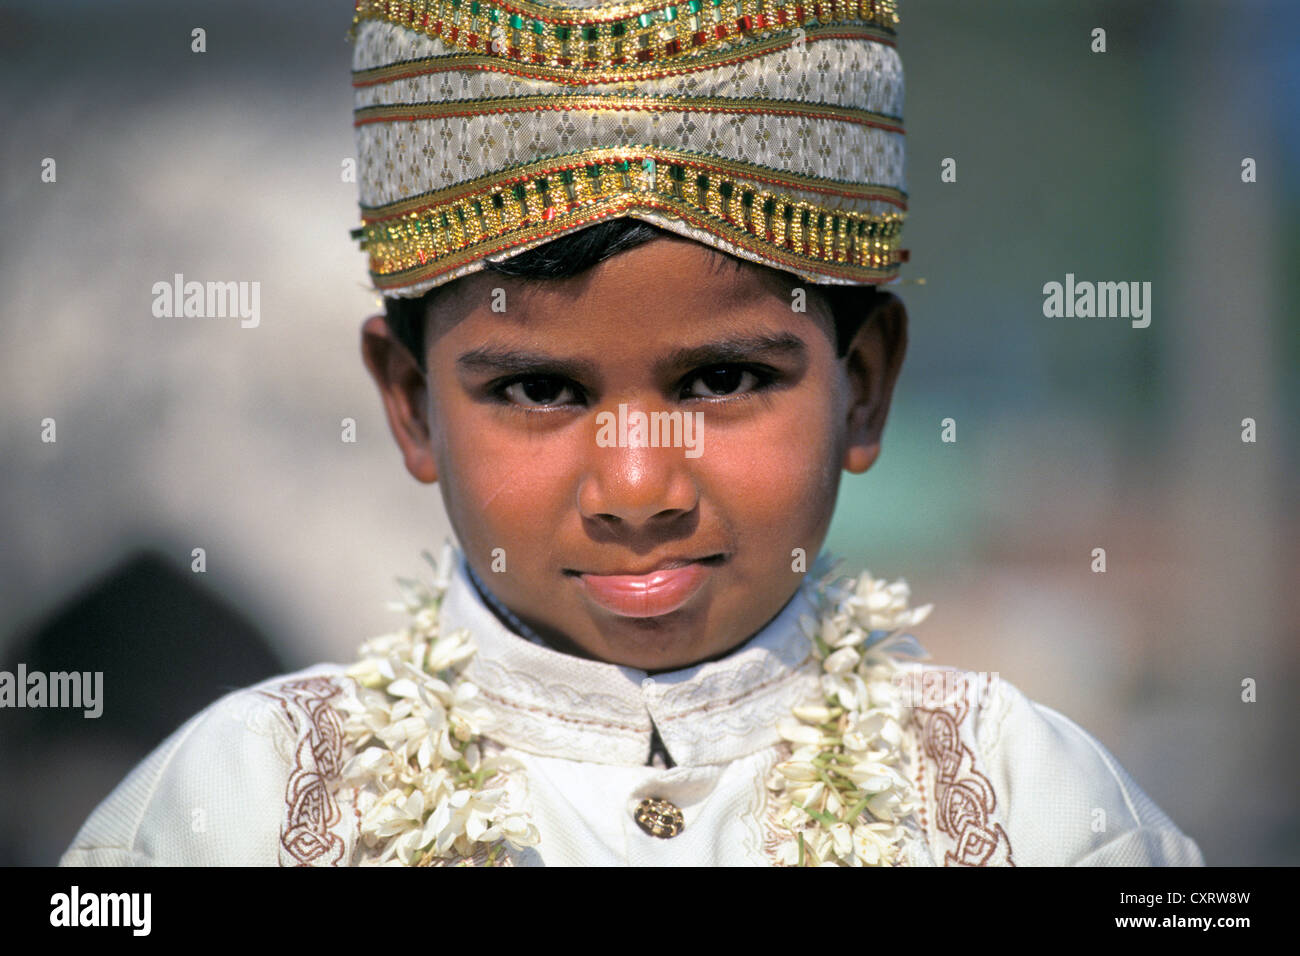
x,y
536,391
723,380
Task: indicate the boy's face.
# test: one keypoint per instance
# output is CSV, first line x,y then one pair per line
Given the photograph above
x,y
650,557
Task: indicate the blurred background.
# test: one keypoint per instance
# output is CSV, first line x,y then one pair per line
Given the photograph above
x,y
1072,434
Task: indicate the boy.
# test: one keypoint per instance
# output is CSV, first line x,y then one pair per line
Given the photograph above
x,y
633,333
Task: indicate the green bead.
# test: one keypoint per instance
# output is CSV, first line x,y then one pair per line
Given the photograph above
x,y
499,200
670,14
590,33
622,165
538,26
726,190
617,30
566,176
561,33
519,191
694,6
516,21
494,15
645,19
747,199
473,7
702,181
593,171
769,206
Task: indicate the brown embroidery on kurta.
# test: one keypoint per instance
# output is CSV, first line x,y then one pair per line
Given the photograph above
x,y
311,813
964,798
774,831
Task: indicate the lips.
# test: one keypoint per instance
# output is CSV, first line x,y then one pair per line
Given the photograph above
x,y
660,591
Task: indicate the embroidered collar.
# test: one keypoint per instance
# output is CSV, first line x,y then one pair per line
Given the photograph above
x,y
552,703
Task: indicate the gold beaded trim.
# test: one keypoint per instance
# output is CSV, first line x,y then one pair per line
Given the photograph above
x,y
578,76
562,102
622,36
467,223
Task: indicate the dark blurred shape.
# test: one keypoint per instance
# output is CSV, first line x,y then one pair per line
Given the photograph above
x,y
167,647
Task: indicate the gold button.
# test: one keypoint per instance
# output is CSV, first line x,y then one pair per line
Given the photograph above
x,y
659,818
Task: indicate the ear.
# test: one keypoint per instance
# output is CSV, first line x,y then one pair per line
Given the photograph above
x,y
872,364
404,390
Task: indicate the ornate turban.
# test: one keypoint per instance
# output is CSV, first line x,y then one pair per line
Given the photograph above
x,y
768,129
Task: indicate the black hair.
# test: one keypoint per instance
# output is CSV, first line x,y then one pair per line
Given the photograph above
x,y
573,253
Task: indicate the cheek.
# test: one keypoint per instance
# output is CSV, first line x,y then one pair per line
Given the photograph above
x,y
499,487
778,473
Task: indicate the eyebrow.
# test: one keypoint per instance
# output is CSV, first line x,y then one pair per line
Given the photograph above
x,y
736,349
491,359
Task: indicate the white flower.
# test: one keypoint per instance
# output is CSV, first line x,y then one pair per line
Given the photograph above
x,y
817,845
813,713
876,605
842,661
425,622
873,844
841,840
872,729
463,819
373,762
449,651
793,819
518,832
797,732
787,853
797,772
873,777
849,690
399,822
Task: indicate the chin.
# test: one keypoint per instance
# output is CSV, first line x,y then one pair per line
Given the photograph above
x,y
667,642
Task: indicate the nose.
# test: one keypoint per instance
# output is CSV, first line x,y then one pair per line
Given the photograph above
x,y
633,484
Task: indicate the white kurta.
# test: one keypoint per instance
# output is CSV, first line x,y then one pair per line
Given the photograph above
x,y
253,779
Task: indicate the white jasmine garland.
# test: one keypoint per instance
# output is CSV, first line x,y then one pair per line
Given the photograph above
x,y
843,795
427,793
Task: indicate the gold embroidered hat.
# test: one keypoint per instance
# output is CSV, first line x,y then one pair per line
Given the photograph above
x,y
769,129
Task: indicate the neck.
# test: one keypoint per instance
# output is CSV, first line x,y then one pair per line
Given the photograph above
x,y
503,613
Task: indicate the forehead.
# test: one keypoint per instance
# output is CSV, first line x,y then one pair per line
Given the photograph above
x,y
666,291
